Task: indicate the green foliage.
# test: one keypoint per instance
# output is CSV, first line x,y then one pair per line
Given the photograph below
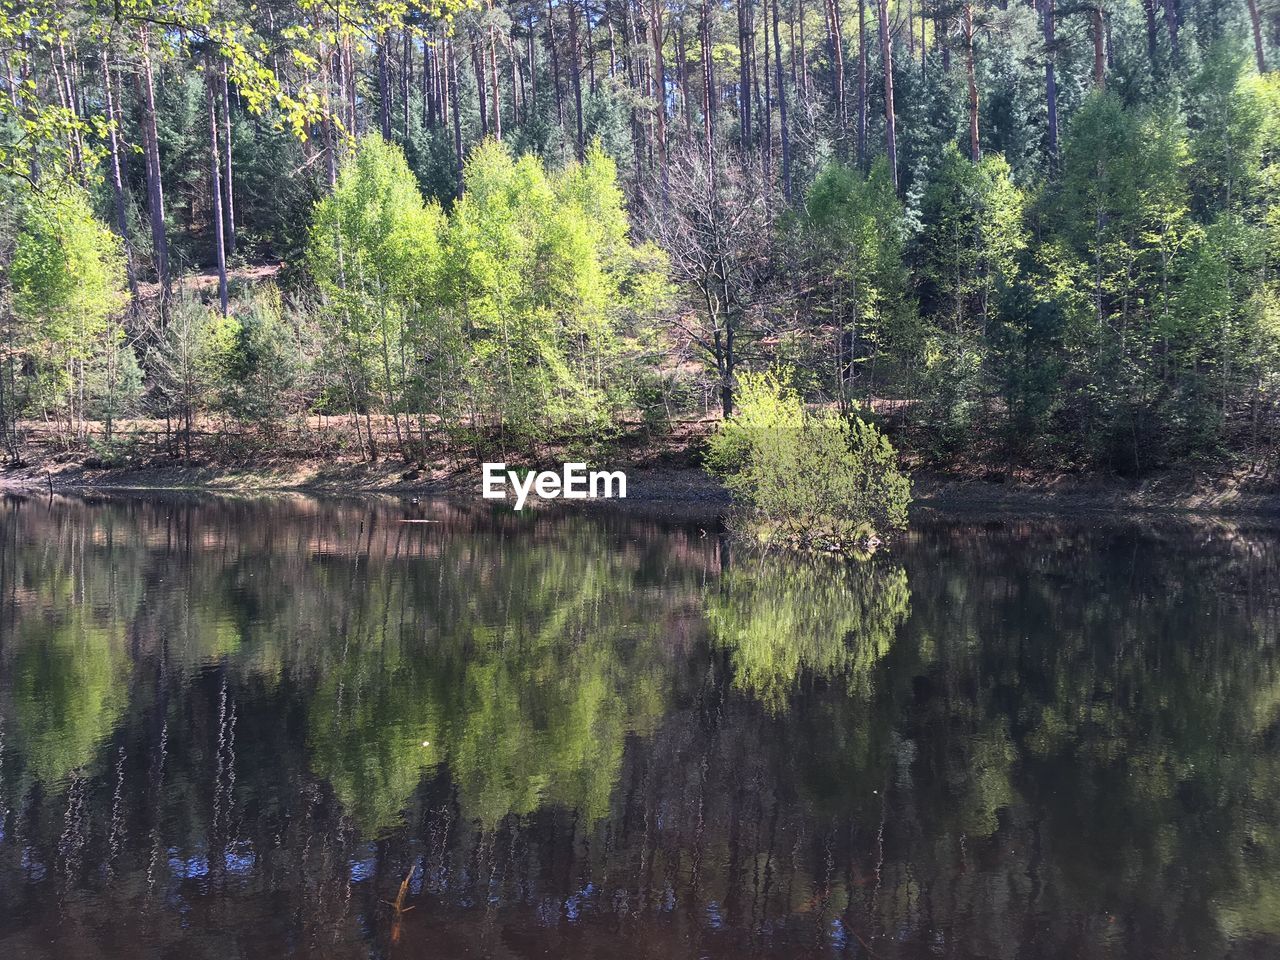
x,y
972,239
1120,227
68,276
114,381
808,480
855,230
185,358
67,270
514,308
256,361
543,279
974,234
376,253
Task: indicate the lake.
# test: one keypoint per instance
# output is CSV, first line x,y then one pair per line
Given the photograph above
x,y
298,727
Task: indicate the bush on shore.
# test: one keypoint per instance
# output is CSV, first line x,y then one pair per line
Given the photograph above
x,y
804,479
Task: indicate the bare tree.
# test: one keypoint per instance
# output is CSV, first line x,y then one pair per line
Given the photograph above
x,y
716,228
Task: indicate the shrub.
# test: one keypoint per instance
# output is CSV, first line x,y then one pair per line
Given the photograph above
x,y
809,480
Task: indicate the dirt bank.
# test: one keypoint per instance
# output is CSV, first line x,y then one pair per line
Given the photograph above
x,y
678,482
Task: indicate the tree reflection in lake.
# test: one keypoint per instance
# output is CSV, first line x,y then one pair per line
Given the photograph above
x,y
239,726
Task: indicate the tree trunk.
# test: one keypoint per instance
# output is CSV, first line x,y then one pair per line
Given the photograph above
x,y
1171,21
482,95
862,83
430,68
782,106
890,121
151,153
942,27
215,187
591,46
744,73
766,125
924,47
575,78
495,85
555,63
229,206
1153,49
835,43
708,83
384,90
406,82
975,146
1050,80
660,85
1099,47
1258,48
451,66
682,78
531,56
117,174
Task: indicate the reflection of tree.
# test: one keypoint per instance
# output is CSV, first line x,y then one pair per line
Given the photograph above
x,y
1096,703
780,615
63,656
374,730
526,688
69,684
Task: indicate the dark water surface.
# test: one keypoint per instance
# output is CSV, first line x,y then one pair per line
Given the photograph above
x,y
240,729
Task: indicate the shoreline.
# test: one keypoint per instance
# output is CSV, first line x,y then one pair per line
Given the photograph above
x,y
678,488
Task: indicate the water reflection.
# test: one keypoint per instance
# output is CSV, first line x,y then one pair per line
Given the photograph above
x,y
780,615
272,728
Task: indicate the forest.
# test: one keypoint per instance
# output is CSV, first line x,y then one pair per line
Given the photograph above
x,y
1041,233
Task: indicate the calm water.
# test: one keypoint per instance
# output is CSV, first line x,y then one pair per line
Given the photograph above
x,y
304,728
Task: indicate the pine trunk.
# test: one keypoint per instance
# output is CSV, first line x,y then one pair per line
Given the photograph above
x,y
215,188
1171,21
835,44
1050,79
451,65
1099,47
975,146
744,73
555,63
151,153
575,77
1258,48
708,83
384,90
660,84
495,85
890,121
1153,49
117,174
784,130
229,204
862,83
